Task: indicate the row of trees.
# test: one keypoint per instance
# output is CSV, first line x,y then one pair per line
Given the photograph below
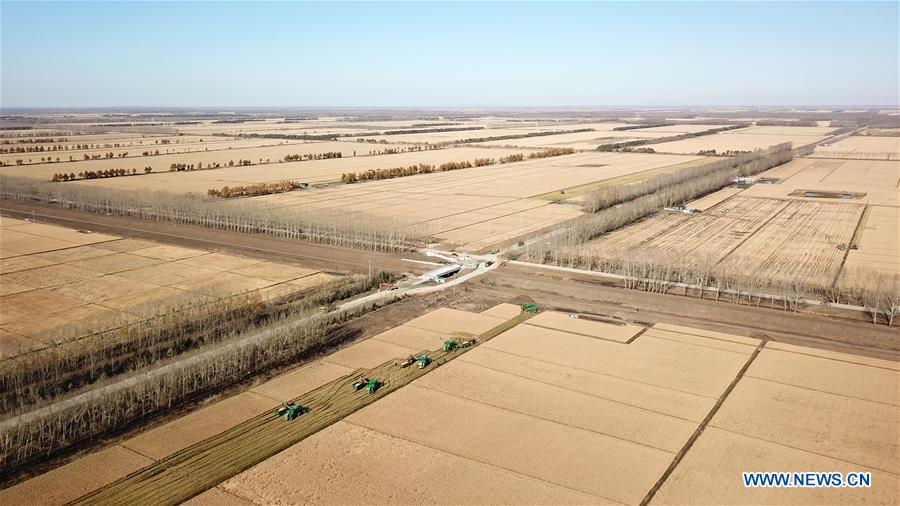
x,y
97,174
618,206
424,168
744,164
313,156
253,190
329,226
39,376
627,146
638,127
732,281
787,122
472,140
45,431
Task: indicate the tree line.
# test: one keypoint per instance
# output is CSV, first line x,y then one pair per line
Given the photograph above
x,y
253,190
744,164
328,226
292,334
424,168
630,145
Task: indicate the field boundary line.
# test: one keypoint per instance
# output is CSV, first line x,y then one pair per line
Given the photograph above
x,y
706,337
843,361
700,428
895,406
804,450
698,345
536,417
519,473
863,218
588,335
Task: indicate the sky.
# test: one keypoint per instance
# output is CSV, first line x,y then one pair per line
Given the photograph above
x,y
431,54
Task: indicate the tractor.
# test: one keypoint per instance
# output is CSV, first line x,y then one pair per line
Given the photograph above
x,y
467,343
291,410
410,360
423,361
530,308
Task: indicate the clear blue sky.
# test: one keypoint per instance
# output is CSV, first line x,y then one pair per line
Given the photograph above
x,y
448,54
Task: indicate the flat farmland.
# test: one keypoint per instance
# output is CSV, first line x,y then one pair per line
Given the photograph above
x,y
775,239
878,242
611,415
266,152
744,139
310,171
59,284
861,146
135,147
879,180
483,206
798,409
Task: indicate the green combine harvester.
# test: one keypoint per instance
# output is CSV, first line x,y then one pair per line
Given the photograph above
x,y
452,344
423,361
531,308
370,384
291,410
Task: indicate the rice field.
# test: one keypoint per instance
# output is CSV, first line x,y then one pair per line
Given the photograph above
x,y
481,207
59,284
775,239
744,139
866,147
612,414
878,180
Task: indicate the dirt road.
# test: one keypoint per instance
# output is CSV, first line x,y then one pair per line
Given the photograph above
x,y
586,295
318,256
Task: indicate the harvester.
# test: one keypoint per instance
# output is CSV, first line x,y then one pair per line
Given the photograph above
x,y
423,361
531,308
291,410
450,345
370,384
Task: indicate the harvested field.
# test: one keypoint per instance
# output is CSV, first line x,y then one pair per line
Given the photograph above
x,y
484,206
861,146
310,171
257,154
59,284
611,415
780,239
744,139
713,199
878,179
175,478
877,241
134,147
